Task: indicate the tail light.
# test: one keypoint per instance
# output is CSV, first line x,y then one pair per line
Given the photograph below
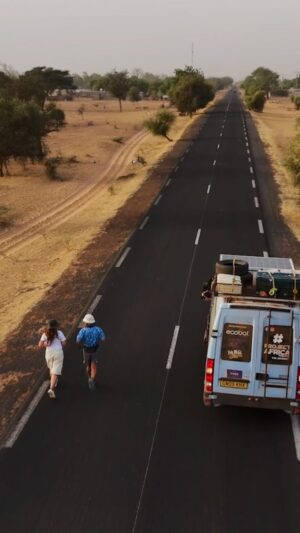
x,y
209,376
298,385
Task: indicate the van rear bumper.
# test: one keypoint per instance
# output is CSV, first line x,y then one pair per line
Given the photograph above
x,y
286,404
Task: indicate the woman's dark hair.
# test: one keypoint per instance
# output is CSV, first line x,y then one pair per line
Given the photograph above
x,y
51,331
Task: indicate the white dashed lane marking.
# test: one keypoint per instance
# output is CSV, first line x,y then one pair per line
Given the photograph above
x,y
214,163
168,182
158,199
123,257
251,170
265,253
253,184
172,348
143,224
256,203
197,237
260,226
94,303
23,421
296,431
208,189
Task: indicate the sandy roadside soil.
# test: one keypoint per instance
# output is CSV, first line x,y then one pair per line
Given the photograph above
x,y
44,271
276,127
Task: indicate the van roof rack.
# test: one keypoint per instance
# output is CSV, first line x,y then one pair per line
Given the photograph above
x,y
262,263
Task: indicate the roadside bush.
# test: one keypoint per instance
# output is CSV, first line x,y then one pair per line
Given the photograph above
x,y
256,101
4,218
292,160
160,123
296,101
51,165
134,94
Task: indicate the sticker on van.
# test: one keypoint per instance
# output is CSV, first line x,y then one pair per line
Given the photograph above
x,y
237,342
277,345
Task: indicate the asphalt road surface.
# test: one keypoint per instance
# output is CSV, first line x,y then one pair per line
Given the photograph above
x,y
142,454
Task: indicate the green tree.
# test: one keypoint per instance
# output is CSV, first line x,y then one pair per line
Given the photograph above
x,y
134,94
23,128
117,84
38,83
190,91
161,123
261,79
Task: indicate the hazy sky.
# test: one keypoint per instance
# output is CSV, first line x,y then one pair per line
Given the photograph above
x,y
231,37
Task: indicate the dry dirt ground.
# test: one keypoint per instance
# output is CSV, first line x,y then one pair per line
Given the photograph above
x,y
65,234
277,127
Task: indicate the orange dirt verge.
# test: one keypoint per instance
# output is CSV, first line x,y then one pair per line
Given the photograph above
x,y
276,126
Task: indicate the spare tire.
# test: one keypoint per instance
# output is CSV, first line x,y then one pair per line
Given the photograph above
x,y
231,266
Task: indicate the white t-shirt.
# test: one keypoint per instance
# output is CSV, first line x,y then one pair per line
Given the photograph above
x,y
55,345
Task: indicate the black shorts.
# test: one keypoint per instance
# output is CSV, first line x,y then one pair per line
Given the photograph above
x,y
90,355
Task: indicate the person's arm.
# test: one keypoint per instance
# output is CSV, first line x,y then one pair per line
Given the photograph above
x,y
43,341
79,337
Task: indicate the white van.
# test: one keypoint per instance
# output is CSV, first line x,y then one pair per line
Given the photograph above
x,y
253,334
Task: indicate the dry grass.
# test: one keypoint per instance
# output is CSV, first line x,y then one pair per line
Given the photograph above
x,y
276,126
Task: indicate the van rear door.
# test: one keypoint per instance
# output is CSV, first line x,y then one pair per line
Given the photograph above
x,y
276,357
235,352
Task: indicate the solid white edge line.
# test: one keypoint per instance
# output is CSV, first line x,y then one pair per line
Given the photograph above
x,y
143,224
296,431
260,226
253,184
123,256
251,170
172,348
198,237
168,182
256,202
94,303
265,253
208,189
158,199
23,421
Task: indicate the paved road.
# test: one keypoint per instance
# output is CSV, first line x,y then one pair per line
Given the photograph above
x,y
142,454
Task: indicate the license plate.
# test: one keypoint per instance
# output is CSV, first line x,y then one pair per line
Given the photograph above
x,y
233,384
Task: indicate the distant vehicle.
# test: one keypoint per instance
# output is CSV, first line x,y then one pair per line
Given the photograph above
x,y
253,334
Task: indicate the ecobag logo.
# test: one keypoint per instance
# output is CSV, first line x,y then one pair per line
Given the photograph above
x,y
240,332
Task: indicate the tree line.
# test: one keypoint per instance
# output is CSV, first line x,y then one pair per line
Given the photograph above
x,y
26,117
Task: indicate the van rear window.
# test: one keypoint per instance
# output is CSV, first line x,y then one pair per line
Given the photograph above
x,y
237,342
277,345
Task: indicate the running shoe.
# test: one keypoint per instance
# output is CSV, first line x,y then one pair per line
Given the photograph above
x,y
51,393
91,383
